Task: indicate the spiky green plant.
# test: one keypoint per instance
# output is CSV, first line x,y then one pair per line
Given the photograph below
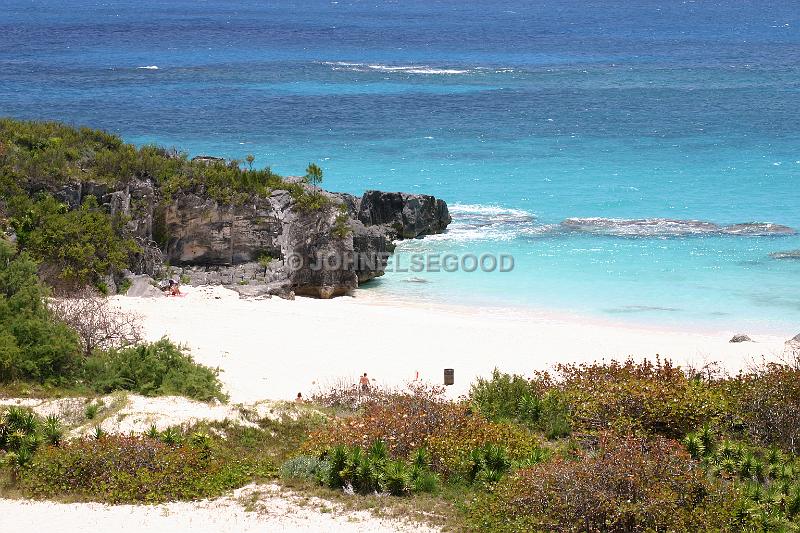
x,y
378,452
708,439
775,456
91,411
747,465
529,408
396,478
423,480
421,459
53,431
338,462
694,445
171,436
99,433
153,432
792,507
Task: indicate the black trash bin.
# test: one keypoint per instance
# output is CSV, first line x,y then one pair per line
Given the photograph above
x,y
449,376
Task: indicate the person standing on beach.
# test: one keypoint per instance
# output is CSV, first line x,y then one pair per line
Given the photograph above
x,y
364,381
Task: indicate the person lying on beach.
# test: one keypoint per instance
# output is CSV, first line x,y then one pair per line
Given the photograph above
x,y
174,288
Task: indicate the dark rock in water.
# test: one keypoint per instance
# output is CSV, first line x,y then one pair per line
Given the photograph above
x,y
740,337
758,229
648,227
790,254
407,215
666,227
372,248
208,159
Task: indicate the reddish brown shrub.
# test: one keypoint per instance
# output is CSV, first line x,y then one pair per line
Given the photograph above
x,y
656,397
421,418
626,484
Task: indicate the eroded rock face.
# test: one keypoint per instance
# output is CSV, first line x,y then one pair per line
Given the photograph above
x,y
221,244
407,215
202,232
227,244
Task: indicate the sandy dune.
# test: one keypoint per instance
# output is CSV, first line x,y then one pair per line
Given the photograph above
x,y
274,510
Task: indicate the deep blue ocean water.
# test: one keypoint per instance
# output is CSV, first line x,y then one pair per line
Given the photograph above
x,y
519,113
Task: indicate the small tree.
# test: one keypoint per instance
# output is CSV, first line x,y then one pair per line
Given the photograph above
x,y
313,174
264,260
250,159
98,324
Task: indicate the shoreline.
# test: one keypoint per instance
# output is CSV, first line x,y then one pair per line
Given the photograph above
x,y
273,348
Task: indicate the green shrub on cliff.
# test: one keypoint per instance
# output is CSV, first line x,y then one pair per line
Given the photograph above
x,y
51,154
76,247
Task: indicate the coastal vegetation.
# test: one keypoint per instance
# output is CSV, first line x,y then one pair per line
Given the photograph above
x,y
86,243
645,446
83,345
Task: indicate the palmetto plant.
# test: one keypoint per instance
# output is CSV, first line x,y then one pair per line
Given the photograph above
x,y
171,436
396,478
694,445
153,432
52,430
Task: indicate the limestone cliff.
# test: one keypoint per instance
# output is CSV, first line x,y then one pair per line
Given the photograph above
x,y
267,245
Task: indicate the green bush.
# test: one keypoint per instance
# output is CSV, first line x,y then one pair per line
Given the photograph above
x,y
160,368
33,345
120,469
22,432
654,397
766,402
371,470
513,398
304,467
78,246
506,397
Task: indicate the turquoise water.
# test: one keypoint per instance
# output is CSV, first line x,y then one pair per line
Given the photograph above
x,y
520,115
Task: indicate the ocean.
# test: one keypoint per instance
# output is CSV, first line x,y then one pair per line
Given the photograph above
x,y
618,116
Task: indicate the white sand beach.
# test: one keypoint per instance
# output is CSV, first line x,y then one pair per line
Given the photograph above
x,y
273,348
269,349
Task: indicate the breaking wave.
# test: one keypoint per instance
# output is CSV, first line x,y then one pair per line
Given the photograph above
x,y
472,222
407,69
148,67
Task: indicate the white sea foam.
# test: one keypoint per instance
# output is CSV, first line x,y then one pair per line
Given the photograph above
x,y
473,222
148,67
406,69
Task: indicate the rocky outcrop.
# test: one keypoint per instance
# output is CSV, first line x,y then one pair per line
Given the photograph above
x,y
213,243
405,215
265,245
740,337
142,286
789,254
